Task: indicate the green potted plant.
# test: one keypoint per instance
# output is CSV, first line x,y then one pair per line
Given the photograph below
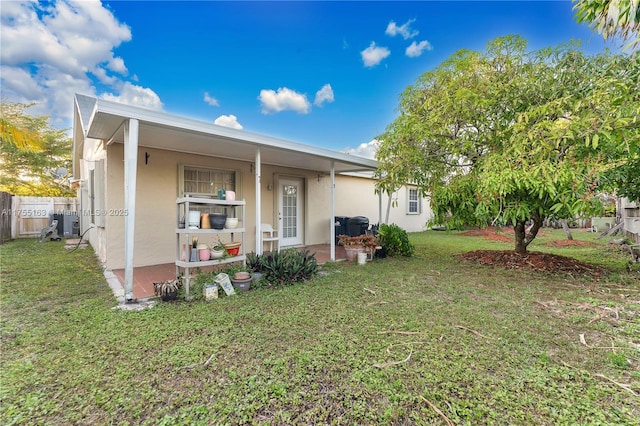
x,y
254,263
218,251
167,290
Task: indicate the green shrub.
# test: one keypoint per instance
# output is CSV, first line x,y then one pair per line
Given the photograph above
x,y
395,240
254,262
287,266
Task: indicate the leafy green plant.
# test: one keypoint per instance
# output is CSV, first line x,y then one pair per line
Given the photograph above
x,y
395,240
288,266
254,262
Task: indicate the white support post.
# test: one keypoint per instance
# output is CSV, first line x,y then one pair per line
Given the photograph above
x,y
332,219
131,128
258,170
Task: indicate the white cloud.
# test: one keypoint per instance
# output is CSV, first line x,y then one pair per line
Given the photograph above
x,y
210,100
228,121
50,51
404,30
415,49
366,150
282,100
373,55
325,94
136,95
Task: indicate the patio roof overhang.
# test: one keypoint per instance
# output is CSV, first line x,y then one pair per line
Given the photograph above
x,y
105,120
137,127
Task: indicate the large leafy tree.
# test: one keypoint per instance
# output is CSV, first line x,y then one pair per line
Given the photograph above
x,y
511,137
19,129
611,18
30,154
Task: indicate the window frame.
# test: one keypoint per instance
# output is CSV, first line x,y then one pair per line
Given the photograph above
x,y
417,201
182,168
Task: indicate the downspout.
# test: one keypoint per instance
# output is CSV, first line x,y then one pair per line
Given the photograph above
x,y
258,203
131,131
332,206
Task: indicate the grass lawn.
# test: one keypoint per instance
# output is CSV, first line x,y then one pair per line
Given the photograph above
x,y
378,344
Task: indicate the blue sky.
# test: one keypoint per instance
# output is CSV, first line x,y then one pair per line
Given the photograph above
x,y
321,73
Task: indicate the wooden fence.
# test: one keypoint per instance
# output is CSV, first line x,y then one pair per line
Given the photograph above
x,y
28,216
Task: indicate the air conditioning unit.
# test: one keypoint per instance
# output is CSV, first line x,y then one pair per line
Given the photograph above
x,y
67,223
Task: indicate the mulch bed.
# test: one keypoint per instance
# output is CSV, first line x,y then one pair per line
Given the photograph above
x,y
545,262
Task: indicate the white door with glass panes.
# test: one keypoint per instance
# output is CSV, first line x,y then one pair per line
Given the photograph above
x,y
290,211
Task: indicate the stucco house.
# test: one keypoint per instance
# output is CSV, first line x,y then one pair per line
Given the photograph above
x,y
131,165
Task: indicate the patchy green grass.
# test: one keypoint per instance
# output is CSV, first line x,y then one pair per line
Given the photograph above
x,y
361,345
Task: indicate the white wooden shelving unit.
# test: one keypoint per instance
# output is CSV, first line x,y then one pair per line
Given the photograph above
x,y
184,234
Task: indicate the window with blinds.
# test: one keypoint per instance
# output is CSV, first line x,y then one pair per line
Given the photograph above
x,y
199,181
413,201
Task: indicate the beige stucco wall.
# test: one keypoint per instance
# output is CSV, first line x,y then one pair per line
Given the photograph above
x,y
355,196
93,151
157,190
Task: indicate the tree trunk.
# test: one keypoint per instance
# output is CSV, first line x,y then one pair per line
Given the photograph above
x,y
524,236
386,219
519,231
565,226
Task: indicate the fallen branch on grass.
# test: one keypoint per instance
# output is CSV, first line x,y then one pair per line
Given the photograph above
x,y
399,332
207,362
622,385
195,364
474,332
389,364
582,340
375,303
437,410
602,376
370,291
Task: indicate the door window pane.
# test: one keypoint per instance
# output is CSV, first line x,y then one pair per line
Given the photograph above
x,y
289,213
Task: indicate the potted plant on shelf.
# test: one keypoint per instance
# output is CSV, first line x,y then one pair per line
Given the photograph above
x,y
218,251
167,290
233,249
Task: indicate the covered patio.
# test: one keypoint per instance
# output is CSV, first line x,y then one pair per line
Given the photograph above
x,y
145,276
140,134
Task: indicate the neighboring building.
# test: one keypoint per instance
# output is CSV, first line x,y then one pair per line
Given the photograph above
x,y
408,209
630,212
131,164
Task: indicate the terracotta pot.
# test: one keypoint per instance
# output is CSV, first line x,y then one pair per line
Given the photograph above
x,y
204,221
352,252
233,249
241,275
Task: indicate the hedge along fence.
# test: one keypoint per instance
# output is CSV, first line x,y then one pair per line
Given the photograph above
x,y
27,216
